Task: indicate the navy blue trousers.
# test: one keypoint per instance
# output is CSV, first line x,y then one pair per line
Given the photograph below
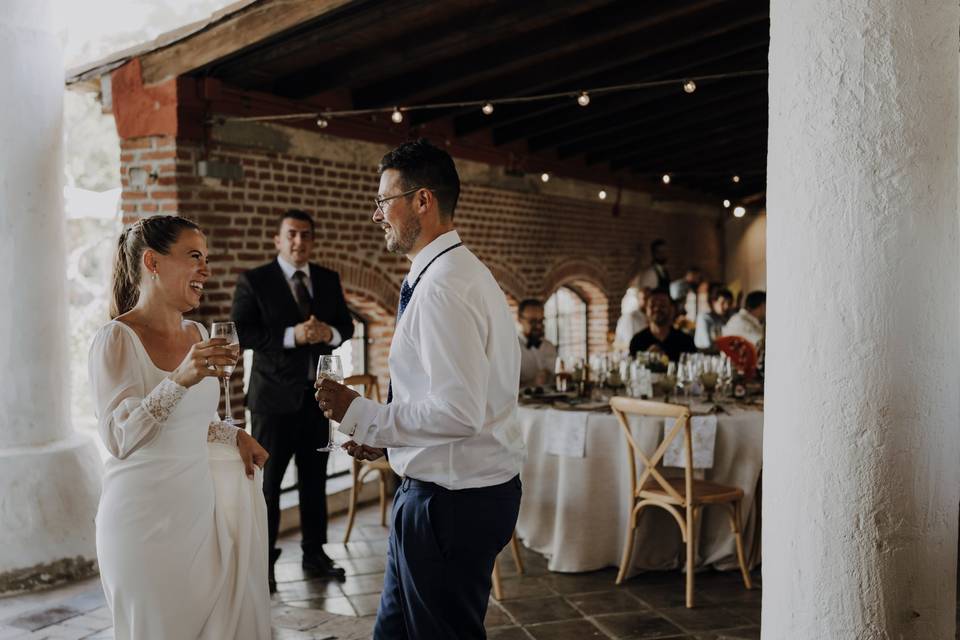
x,y
440,556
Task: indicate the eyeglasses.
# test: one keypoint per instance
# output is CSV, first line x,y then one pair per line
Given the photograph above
x,y
382,202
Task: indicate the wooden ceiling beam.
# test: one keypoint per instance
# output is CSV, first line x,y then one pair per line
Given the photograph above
x,y
746,49
700,128
570,50
614,129
729,155
249,27
461,33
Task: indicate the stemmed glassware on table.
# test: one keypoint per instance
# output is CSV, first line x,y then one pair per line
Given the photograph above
x,y
329,368
227,331
709,376
685,375
669,381
726,373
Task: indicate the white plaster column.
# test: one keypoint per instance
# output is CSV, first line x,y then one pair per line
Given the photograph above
x,y
861,455
49,475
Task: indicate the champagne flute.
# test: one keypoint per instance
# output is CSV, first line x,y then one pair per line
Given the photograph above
x,y
329,368
227,331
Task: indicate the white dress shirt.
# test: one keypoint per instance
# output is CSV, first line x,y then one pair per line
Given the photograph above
x,y
533,361
745,325
289,340
455,367
629,325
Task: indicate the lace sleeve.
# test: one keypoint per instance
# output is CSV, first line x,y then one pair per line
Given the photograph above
x,y
221,432
161,402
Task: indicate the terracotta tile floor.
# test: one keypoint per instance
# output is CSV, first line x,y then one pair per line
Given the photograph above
x,y
537,604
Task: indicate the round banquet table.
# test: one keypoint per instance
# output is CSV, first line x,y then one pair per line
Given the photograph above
x,y
575,509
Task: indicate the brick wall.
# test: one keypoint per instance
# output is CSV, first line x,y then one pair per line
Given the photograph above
x,y
533,242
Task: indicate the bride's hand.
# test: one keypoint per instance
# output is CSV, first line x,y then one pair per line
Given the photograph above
x,y
251,452
203,360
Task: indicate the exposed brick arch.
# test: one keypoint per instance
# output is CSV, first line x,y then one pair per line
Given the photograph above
x,y
509,281
379,321
587,279
579,269
367,279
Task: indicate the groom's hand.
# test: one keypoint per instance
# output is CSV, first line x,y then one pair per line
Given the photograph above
x,y
334,398
362,451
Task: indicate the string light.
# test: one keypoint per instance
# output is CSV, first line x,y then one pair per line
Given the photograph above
x,y
739,212
545,176
583,99
726,204
666,178
736,178
323,123
487,108
602,195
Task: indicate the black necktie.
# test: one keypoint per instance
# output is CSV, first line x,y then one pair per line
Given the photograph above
x,y
534,344
406,292
302,293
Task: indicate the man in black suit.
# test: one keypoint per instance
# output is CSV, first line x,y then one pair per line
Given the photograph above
x,y
290,312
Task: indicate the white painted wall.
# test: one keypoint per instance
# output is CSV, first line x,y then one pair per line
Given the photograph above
x,y
746,252
49,477
861,454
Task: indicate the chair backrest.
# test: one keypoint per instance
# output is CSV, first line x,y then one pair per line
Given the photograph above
x,y
371,390
623,407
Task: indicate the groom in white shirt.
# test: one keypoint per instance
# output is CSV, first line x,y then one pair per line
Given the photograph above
x,y
449,423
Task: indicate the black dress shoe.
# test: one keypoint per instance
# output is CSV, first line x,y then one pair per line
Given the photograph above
x,y
320,566
272,580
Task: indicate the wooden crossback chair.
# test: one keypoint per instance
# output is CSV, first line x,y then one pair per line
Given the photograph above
x,y
517,560
361,469
683,498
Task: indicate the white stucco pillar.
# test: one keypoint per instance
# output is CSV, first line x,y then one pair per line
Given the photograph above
x,y
861,456
49,475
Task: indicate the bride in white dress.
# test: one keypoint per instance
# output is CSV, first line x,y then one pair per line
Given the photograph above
x,y
182,524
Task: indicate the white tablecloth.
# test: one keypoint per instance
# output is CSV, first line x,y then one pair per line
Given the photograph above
x,y
575,510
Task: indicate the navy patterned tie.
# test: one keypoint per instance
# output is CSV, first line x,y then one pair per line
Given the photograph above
x,y
406,292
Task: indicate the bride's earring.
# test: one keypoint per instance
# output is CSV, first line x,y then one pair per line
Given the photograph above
x,y
155,276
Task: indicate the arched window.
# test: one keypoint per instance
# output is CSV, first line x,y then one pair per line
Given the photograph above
x,y
353,352
565,324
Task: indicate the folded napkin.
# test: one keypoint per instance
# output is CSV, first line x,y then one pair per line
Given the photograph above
x,y
566,433
703,432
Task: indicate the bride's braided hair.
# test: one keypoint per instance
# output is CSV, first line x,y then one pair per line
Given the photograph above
x,y
157,233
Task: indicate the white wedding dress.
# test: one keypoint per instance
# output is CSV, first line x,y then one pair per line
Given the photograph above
x,y
181,530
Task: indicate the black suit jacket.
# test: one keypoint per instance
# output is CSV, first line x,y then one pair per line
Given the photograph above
x,y
263,308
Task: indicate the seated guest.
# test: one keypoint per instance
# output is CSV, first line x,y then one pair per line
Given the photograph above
x,y
748,322
537,355
710,323
681,321
660,335
632,322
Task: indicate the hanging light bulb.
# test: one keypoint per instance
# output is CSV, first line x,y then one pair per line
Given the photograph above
x,y
666,178
736,178
545,176
396,116
323,123
602,195
583,99
689,86
487,108
739,212
726,204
